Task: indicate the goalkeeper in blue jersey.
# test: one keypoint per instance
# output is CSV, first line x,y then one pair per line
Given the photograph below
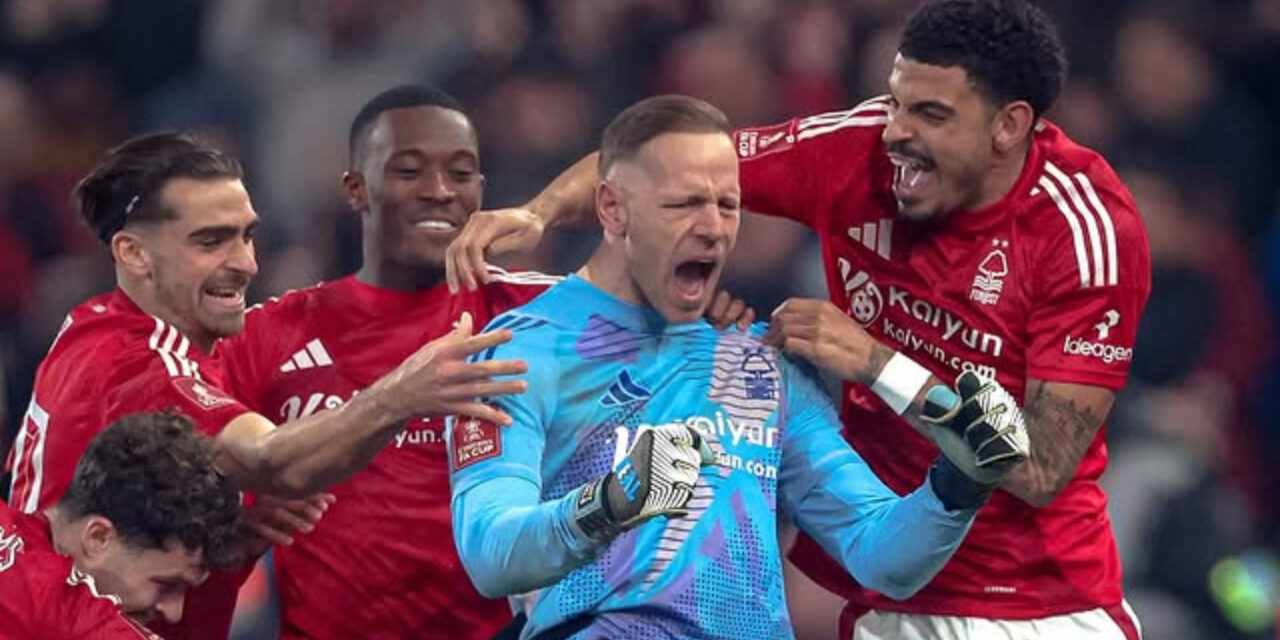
x,y
636,493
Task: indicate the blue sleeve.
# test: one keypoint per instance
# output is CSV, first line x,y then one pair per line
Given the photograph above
x,y
509,541
889,543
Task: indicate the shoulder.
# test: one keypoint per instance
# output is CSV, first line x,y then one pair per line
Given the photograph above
x,y
1078,212
288,305
859,126
508,289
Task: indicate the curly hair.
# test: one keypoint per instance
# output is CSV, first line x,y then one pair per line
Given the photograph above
x,y
1009,48
152,475
124,186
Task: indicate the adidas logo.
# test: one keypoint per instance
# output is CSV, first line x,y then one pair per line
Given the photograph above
x,y
309,357
876,236
624,391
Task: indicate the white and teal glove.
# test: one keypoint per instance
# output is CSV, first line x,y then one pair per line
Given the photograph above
x,y
656,478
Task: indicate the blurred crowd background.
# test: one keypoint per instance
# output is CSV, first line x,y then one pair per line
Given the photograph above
x,y
1180,95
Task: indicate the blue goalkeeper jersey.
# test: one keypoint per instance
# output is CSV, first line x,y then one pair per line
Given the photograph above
x,y
600,372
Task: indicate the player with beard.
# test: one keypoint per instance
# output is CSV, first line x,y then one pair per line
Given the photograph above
x,y
594,496
961,230
179,224
145,518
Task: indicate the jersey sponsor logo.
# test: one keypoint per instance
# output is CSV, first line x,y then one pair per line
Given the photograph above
x,y
989,281
1109,319
203,395
1108,353
764,140
866,304
758,374
10,547
421,433
308,357
865,301
295,408
876,236
474,440
718,430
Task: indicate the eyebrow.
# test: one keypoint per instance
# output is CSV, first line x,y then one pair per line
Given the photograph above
x,y
931,105
222,231
418,154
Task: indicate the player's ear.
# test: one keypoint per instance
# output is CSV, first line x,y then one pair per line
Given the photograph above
x,y
357,193
1011,125
97,539
129,251
613,216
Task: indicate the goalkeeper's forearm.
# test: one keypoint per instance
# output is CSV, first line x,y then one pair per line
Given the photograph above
x,y
510,543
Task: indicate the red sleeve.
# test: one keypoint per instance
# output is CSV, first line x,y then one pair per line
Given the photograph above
x,y
786,168
774,172
146,382
1092,277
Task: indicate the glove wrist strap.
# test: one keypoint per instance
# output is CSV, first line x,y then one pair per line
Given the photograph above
x,y
899,382
591,511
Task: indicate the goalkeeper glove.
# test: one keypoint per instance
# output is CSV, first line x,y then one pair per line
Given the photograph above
x,y
981,433
656,478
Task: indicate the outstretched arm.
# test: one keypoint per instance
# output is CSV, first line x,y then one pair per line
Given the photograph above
x,y
308,455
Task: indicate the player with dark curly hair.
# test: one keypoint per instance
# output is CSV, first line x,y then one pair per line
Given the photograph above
x,y
146,517
962,232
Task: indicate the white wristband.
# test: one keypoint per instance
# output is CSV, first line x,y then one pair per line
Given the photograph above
x,y
899,382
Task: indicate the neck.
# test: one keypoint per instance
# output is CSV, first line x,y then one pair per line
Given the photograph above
x,y
1004,173
143,296
381,273
607,269
61,531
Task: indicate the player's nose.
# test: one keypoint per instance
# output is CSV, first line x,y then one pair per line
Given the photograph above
x,y
896,130
243,258
170,609
435,186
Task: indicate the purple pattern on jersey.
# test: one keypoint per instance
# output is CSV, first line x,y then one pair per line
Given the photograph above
x,y
605,340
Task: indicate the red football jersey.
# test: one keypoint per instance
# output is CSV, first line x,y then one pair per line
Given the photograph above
x,y
1047,283
382,564
43,597
111,359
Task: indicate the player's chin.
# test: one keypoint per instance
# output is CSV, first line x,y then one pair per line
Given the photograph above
x,y
225,324
689,297
918,209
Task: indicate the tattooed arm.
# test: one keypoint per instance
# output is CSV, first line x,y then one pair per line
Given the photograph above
x,y
1062,420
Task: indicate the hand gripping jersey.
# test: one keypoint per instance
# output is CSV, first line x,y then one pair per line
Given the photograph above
x,y
43,597
381,565
600,372
1047,283
111,359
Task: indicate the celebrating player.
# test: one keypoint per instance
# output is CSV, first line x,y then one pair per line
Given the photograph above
x,y
180,226
143,520
630,393
965,232
383,565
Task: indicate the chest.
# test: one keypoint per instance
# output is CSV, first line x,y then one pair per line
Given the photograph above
x,y
953,301
725,387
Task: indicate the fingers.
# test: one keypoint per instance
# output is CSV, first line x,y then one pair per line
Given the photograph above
x,y
472,371
481,411
477,343
490,388
746,318
269,533
716,312
477,268
465,325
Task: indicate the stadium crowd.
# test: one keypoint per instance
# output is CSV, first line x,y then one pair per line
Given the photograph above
x,y
1177,94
